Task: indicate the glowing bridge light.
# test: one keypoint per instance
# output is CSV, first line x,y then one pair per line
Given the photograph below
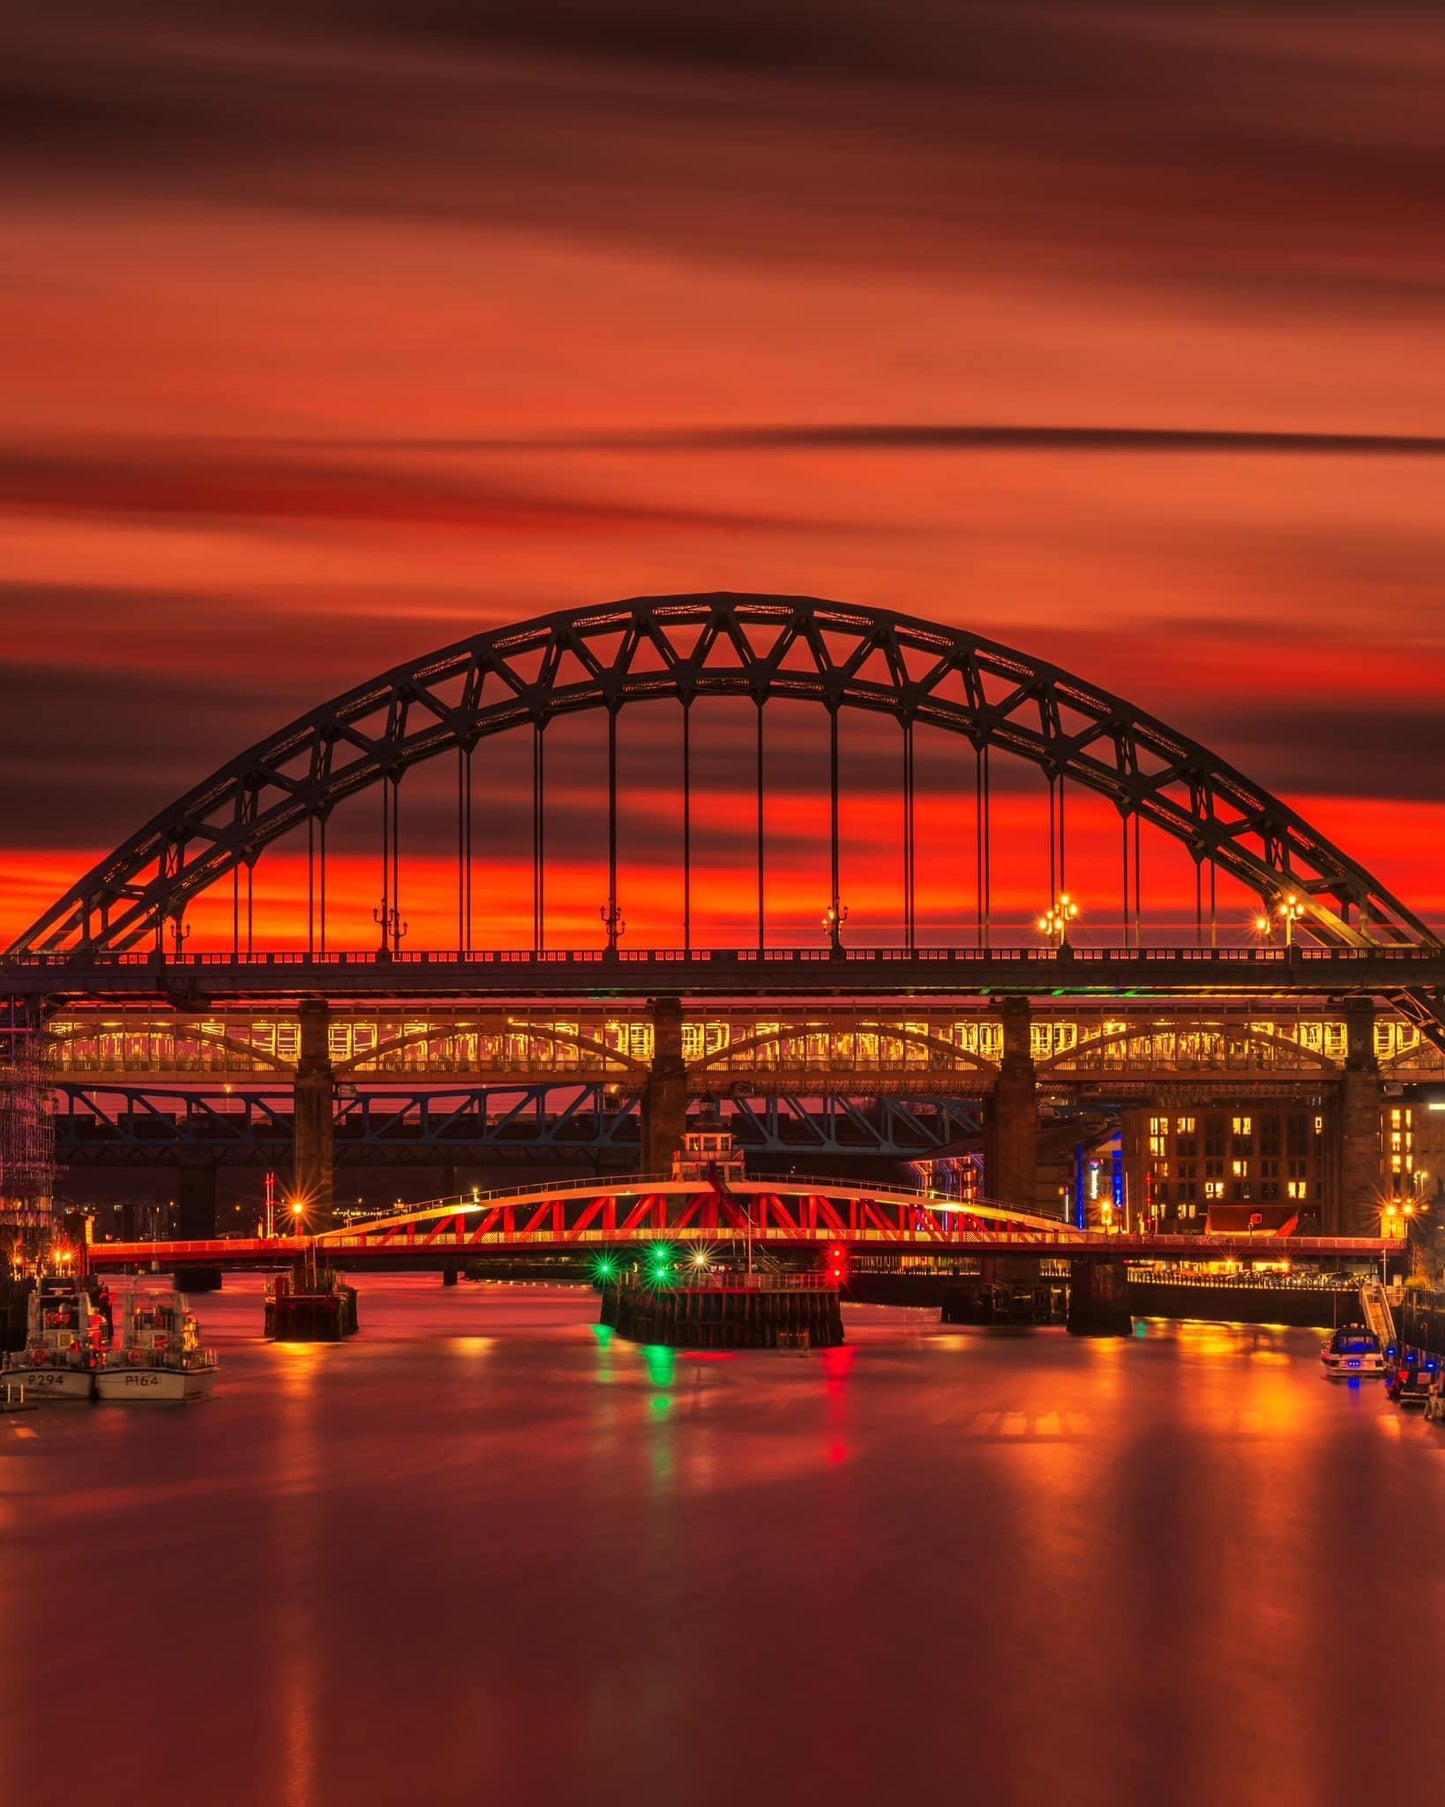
x,y
1055,921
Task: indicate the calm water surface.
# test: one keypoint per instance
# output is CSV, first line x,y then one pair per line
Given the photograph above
x,y
487,1553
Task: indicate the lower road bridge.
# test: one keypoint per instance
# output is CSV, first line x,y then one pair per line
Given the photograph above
x,y
796,1217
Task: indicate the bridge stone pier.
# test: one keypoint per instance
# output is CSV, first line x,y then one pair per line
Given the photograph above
x,y
196,1196
314,1101
664,1097
1354,1199
1012,1129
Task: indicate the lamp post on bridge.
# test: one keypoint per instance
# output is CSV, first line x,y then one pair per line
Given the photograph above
x,y
393,929
1289,910
614,923
1054,923
834,917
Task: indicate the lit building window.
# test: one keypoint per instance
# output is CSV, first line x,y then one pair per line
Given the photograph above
x,y
1214,1188
1184,1126
1244,1126
1298,1188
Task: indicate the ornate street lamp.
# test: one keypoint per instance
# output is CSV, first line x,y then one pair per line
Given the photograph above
x,y
388,919
612,921
1054,923
1289,910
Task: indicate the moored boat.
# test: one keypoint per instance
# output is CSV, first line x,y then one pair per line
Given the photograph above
x,y
65,1342
1353,1353
158,1355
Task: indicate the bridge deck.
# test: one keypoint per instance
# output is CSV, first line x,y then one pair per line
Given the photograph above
x,y
1162,971
355,1252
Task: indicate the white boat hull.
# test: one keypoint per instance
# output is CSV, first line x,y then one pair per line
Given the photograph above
x,y
154,1385
51,1383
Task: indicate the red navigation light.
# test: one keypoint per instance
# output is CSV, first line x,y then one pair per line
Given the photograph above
x,y
837,1263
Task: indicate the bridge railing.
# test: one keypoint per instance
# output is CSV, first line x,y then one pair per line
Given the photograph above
x,y
1040,956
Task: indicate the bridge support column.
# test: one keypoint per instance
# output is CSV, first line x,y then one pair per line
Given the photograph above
x,y
664,1097
1099,1298
313,1105
196,1197
1352,1209
1011,1145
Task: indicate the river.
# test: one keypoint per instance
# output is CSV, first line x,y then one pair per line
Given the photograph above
x,y
488,1553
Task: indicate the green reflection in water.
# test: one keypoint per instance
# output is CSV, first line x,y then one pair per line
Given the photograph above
x,y
661,1364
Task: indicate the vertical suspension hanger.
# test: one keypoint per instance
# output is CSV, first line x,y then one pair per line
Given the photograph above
x,y
539,840
909,844
762,914
686,825
834,876
613,921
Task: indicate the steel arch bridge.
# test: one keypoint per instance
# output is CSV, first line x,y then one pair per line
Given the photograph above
x,y
1346,935
758,649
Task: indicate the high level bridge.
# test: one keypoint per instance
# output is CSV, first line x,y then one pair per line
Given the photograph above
x,y
723,772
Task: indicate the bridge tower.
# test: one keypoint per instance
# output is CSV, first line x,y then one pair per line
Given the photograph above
x,y
1011,1139
1353,1207
664,1097
313,1104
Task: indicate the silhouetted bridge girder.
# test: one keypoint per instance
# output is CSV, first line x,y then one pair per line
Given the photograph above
x,y
100,1125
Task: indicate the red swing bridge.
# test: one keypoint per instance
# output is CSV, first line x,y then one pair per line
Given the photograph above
x,y
827,1219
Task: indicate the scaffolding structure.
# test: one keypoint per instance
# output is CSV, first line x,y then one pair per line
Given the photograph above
x,y
27,1122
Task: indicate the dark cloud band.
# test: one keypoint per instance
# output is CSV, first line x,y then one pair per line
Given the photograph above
x,y
859,436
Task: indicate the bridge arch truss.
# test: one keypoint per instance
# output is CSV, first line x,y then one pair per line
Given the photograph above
x,y
757,649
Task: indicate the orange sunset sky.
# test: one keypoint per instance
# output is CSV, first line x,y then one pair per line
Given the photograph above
x,y
335,332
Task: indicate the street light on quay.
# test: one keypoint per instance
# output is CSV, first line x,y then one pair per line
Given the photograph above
x,y
1054,923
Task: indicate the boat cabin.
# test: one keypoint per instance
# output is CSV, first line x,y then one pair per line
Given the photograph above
x,y
708,1154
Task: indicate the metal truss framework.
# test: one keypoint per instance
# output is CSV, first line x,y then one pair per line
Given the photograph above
x,y
804,1211
140,1125
755,648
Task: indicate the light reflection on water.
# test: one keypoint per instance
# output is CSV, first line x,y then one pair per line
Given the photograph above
x,y
491,1551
